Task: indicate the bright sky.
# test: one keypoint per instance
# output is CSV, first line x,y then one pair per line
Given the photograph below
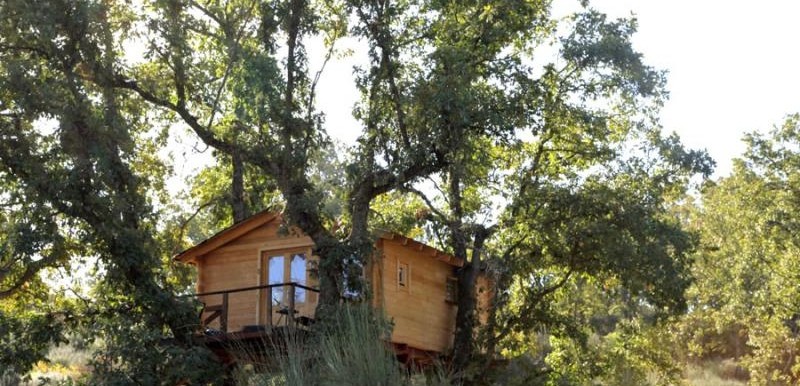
x,y
734,67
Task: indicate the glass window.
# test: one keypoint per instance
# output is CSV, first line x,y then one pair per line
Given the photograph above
x,y
298,275
290,268
276,276
402,275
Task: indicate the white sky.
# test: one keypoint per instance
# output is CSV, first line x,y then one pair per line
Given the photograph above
x,y
734,67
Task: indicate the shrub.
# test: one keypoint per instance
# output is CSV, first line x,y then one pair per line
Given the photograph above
x,y
348,350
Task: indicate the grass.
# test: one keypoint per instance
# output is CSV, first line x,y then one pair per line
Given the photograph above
x,y
64,363
349,350
715,372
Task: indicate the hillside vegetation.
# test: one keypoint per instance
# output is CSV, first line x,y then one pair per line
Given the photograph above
x,y
525,144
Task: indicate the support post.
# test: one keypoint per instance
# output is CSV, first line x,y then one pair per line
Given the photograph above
x,y
290,316
269,307
223,319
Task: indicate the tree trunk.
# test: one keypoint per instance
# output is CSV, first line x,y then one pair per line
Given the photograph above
x,y
466,316
463,345
303,212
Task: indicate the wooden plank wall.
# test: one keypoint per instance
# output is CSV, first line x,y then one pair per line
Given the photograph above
x,y
236,265
422,318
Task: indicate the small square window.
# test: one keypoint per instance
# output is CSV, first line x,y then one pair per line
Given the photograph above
x,y
402,275
451,290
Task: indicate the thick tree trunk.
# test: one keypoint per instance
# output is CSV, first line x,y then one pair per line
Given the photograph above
x,y
360,240
463,344
328,288
302,211
497,301
466,316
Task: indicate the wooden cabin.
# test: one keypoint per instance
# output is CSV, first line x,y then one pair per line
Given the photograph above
x,y
255,275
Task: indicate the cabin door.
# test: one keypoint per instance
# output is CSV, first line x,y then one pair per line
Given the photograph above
x,y
278,268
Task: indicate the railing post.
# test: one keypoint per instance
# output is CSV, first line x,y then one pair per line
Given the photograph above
x,y
290,315
269,307
223,319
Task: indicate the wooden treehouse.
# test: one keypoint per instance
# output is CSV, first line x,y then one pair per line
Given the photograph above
x,y
255,280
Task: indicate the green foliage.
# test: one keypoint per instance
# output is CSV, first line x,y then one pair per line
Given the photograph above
x,y
357,361
134,352
548,170
25,338
211,191
638,354
594,257
31,318
81,164
744,302
553,170
401,213
592,332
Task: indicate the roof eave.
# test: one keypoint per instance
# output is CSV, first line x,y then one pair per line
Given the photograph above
x,y
224,236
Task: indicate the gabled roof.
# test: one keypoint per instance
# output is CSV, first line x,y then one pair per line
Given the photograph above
x,y
226,235
239,229
423,248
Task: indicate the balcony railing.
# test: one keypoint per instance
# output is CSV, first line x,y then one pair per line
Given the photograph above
x,y
269,305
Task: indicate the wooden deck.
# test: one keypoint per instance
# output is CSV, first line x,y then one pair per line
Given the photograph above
x,y
277,318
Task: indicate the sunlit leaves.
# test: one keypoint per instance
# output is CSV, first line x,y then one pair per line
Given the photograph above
x,y
747,269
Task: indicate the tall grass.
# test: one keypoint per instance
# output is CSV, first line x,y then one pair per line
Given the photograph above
x,y
9,378
715,372
350,349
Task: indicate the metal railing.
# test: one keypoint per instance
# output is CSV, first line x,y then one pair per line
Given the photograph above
x,y
287,312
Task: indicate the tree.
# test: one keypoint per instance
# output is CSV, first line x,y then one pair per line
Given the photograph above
x,y
745,301
75,157
448,92
229,85
561,199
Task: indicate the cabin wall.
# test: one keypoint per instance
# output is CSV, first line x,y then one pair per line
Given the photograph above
x,y
237,265
422,317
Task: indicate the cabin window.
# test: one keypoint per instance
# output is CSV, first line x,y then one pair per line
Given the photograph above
x,y
298,275
276,276
282,270
451,290
402,275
